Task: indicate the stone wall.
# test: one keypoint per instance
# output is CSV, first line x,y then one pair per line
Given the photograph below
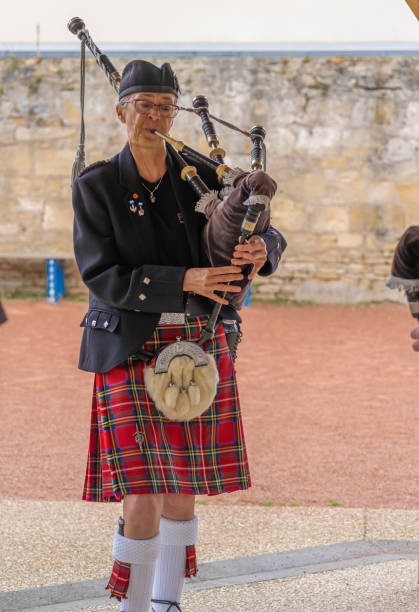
x,y
342,144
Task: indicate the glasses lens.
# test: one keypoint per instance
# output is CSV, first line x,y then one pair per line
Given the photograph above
x,y
168,110
143,107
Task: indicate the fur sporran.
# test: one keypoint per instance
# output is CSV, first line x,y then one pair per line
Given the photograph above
x,y
183,381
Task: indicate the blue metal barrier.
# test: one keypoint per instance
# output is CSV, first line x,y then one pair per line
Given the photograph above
x,y
55,280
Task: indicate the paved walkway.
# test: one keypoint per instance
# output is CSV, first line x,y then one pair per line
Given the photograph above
x,y
57,557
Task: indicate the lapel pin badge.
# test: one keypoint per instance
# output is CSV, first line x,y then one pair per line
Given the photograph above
x,y
136,206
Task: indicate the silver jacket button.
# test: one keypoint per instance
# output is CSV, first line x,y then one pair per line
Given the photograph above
x,y
146,281
142,297
93,323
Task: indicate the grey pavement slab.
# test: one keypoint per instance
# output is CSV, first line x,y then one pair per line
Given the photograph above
x,y
216,574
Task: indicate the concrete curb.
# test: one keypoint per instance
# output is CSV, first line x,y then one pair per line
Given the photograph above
x,y
245,570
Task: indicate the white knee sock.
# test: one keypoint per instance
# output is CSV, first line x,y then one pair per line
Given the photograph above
x,y
142,555
170,569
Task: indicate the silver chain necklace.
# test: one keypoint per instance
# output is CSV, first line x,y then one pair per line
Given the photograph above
x,y
152,191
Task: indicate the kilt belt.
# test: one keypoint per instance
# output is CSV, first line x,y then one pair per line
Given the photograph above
x,y
172,318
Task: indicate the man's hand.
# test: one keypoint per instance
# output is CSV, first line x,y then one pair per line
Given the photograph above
x,y
415,335
253,252
205,281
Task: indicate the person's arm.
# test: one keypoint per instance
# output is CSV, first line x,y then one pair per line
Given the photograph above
x,y
146,288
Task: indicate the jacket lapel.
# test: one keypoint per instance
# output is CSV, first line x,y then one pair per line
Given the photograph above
x,y
186,198
131,183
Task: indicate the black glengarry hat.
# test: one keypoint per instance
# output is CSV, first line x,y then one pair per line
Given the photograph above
x,y
140,75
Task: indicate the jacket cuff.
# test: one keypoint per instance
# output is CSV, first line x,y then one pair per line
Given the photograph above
x,y
275,246
160,289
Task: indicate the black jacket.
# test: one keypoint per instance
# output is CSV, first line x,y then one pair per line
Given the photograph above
x,y
117,251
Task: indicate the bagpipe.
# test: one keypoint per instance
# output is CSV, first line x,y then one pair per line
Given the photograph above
x,y
240,207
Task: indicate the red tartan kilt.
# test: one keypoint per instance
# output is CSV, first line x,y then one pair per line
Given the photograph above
x,y
206,455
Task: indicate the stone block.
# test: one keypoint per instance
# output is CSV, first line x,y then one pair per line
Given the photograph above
x,y
70,108
405,171
328,240
362,111
412,214
301,242
7,135
54,163
371,241
385,111
364,218
267,288
25,134
31,186
289,214
16,160
399,149
331,292
10,210
330,219
337,162
327,275
318,140
350,241
358,152
408,192
393,217
380,192
58,215
305,187
349,187
31,205
283,140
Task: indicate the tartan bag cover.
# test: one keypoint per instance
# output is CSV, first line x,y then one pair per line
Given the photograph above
x,y
134,449
119,580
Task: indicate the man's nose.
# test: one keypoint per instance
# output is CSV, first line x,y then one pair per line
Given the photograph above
x,y
154,112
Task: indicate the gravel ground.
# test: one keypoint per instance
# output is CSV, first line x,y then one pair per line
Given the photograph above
x,y
329,397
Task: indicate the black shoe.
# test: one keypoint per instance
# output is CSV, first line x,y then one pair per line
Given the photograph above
x,y
173,605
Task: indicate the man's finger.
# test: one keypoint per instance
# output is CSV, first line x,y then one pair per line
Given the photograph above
x,y
415,333
242,260
224,278
224,270
249,248
221,287
254,271
217,298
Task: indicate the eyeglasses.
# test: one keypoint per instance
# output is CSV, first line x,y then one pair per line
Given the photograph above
x,y
144,107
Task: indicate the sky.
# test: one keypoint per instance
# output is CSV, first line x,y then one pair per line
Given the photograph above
x,y
235,21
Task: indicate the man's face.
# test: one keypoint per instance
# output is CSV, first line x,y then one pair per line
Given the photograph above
x,y
139,125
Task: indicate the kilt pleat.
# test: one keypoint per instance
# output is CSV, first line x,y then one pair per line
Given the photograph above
x,y
134,449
